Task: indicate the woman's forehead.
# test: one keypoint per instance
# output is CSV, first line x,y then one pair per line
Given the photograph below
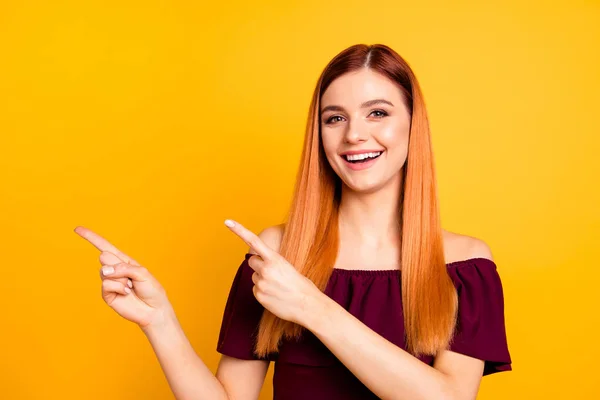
x,y
354,88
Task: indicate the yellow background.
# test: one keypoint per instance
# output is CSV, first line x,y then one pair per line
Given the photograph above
x,y
151,122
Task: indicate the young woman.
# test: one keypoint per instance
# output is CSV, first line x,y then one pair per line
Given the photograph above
x,y
360,294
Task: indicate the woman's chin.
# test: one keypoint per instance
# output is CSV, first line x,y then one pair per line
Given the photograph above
x,y
363,187
372,184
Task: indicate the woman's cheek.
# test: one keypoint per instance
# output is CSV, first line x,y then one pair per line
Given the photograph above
x,y
393,138
393,133
332,158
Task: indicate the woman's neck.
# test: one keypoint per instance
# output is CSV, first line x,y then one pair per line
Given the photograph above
x,y
371,219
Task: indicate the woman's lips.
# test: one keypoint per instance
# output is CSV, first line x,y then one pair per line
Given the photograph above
x,y
362,165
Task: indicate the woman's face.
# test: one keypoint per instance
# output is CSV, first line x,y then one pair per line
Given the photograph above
x,y
363,116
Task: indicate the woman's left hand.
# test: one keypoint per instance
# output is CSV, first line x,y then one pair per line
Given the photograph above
x,y
278,285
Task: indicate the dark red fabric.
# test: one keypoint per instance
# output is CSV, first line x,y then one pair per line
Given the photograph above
x,y
308,370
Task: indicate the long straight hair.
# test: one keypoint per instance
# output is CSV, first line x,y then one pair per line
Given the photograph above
x,y
310,239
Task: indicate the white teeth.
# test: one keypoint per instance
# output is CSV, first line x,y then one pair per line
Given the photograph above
x,y
355,157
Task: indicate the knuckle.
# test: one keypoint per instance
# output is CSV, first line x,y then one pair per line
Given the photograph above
x,y
108,258
143,270
266,272
118,268
260,297
254,242
261,286
254,261
103,257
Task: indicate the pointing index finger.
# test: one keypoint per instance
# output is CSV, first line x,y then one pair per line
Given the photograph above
x,y
103,245
251,239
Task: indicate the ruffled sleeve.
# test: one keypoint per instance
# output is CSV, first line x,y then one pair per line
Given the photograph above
x,y
481,329
241,316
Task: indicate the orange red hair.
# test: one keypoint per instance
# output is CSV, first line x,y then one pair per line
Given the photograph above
x,y
310,238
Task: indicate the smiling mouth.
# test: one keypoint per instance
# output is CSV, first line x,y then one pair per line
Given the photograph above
x,y
361,158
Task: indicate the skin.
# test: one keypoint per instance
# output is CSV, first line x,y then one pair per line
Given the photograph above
x,y
369,236
368,240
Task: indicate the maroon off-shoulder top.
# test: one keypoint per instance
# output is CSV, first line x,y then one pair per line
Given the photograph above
x,y
308,370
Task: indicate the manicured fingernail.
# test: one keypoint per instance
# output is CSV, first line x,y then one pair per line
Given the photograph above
x,y
108,270
127,289
229,223
129,283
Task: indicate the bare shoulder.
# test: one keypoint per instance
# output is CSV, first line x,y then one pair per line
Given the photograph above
x,y
459,247
271,236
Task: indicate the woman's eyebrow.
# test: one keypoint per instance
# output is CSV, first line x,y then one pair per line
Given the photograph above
x,y
366,104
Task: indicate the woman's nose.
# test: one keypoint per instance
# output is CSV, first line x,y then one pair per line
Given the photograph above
x,y
355,133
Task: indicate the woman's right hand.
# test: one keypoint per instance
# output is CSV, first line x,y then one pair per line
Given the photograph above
x,y
130,289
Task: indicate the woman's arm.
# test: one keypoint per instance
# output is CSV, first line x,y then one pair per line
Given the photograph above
x,y
190,379
386,369
242,379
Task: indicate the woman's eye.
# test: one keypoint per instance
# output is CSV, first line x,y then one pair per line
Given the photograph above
x,y
331,119
381,113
